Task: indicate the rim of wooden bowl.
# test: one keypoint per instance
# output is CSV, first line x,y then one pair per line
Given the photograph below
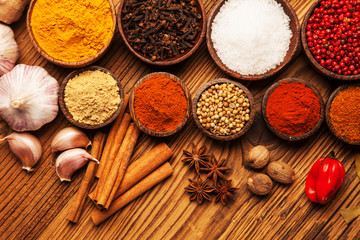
x,y
132,110
325,72
327,115
294,47
77,64
65,110
284,136
247,124
173,60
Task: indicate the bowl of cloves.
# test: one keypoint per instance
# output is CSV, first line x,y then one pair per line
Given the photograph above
x,y
162,32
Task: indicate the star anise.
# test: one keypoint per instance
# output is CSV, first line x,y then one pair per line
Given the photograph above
x,y
224,191
196,157
199,190
215,169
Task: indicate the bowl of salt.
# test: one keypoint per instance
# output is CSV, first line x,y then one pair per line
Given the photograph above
x,y
253,39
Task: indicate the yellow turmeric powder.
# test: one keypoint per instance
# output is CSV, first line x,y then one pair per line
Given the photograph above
x,y
72,30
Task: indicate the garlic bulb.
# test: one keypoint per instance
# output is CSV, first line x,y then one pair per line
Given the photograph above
x,y
9,50
28,98
70,161
26,147
68,138
11,10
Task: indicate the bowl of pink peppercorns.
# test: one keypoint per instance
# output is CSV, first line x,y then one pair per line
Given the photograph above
x,y
330,35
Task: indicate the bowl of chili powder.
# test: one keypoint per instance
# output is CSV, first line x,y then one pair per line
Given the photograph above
x,y
293,109
160,104
343,115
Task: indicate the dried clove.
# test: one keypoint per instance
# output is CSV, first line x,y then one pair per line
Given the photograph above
x,y
161,29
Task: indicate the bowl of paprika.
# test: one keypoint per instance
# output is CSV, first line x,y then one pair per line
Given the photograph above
x,y
293,109
160,104
342,113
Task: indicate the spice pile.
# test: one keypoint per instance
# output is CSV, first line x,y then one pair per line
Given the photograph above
x,y
72,30
344,113
92,97
200,189
223,109
251,36
293,109
160,103
161,29
332,33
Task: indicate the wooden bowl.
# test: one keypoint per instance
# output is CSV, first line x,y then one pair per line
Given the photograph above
x,y
61,63
247,124
132,109
328,120
293,48
173,60
311,58
65,110
287,137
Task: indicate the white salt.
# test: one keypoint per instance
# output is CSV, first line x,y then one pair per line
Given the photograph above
x,y
251,36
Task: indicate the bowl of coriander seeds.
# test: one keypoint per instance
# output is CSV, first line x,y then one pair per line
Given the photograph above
x,y
223,109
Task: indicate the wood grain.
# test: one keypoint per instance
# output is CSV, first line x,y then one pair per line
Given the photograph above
x,y
35,205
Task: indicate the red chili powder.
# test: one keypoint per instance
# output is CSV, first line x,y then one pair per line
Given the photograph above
x,y
160,104
293,109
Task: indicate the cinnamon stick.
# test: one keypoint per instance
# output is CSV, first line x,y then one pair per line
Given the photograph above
x,y
142,167
111,137
77,206
118,168
147,183
110,156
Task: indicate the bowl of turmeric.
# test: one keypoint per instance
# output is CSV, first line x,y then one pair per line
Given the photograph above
x,y
71,33
160,104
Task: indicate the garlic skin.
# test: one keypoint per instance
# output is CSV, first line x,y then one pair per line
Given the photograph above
x,y
28,98
11,10
68,138
26,147
9,50
70,161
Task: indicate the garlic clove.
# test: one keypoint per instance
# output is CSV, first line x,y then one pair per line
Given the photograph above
x,y
28,98
68,138
26,147
70,161
9,50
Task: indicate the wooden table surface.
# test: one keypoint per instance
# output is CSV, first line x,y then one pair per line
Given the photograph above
x,y
35,205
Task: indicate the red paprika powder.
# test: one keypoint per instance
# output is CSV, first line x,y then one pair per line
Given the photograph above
x,y
293,109
160,103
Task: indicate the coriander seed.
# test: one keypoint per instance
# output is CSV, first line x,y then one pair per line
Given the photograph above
x,y
223,109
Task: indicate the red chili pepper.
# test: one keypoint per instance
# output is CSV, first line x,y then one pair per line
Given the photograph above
x,y
324,179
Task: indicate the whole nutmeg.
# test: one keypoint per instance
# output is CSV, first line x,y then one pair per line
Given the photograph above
x,y
258,157
259,184
281,172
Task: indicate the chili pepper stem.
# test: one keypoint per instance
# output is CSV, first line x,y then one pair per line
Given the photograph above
x,y
330,155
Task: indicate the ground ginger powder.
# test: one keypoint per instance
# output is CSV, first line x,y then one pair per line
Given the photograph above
x,y
72,30
92,97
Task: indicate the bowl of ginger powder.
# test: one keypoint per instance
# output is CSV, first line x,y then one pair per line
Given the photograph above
x,y
91,98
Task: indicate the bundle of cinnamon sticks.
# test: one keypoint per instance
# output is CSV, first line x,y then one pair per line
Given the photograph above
x,y
119,183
